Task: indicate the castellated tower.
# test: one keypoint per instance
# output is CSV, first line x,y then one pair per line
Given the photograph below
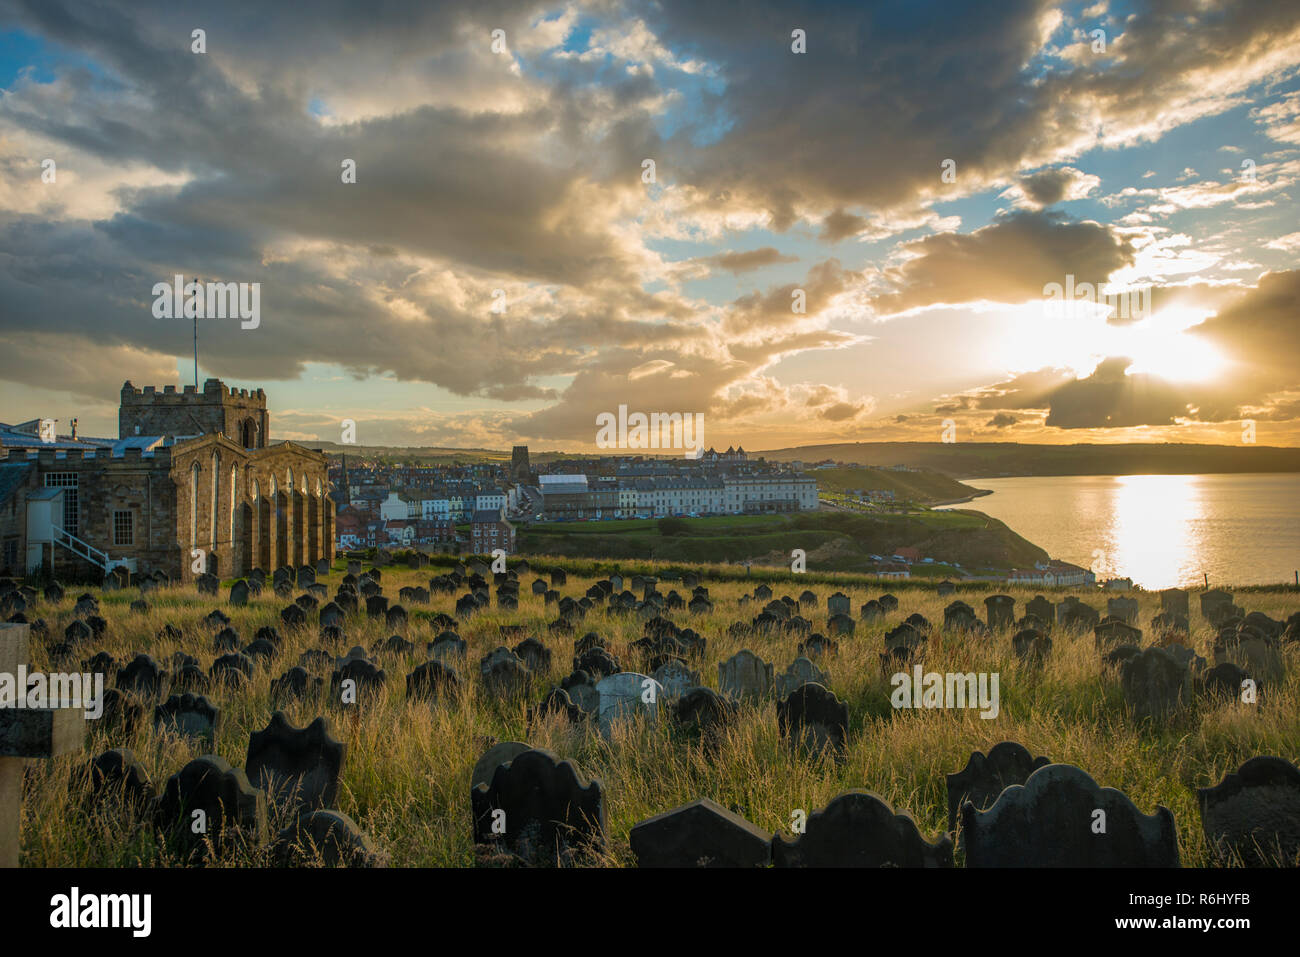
x,y
237,413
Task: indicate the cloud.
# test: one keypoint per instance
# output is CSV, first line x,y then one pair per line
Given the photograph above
x,y
1008,261
1051,186
749,260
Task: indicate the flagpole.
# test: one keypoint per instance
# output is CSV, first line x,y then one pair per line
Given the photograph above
x,y
196,336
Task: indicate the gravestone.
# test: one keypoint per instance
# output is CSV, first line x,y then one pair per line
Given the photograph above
x,y
504,673
840,624
431,681
1000,611
1156,685
118,774
298,768
987,776
210,792
676,678
297,682
700,834
327,836
860,829
813,718
1215,604
1125,609
838,604
549,811
744,676
486,766
1113,633
190,715
141,675
27,733
945,588
1041,608
1051,821
801,671
1225,681
597,662
627,695
1031,646
1253,816
534,654
871,611
1174,601
239,593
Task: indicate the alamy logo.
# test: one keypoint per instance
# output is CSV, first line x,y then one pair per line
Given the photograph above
x,y
1067,301
74,909
935,690
658,430
36,690
213,300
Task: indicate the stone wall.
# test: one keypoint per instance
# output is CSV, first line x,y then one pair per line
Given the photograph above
x,y
237,413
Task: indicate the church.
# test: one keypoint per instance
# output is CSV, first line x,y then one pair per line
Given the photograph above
x,y
189,483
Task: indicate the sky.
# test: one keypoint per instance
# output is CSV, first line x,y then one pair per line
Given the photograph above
x,y
809,223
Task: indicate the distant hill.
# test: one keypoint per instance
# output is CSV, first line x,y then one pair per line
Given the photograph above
x,y
994,459
833,541
925,487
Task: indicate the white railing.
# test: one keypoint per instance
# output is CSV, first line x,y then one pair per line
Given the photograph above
x,y
80,548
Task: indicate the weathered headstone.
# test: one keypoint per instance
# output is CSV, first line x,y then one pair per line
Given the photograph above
x,y
860,829
811,717
1252,817
298,768
190,715
209,799
987,776
1060,817
627,696
1155,684
700,834
539,808
745,676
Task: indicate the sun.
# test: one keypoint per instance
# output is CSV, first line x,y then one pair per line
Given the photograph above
x,y
1161,346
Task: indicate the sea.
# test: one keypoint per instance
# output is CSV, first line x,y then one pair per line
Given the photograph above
x,y
1159,530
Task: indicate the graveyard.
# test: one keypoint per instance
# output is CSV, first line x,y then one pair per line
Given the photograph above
x,y
426,712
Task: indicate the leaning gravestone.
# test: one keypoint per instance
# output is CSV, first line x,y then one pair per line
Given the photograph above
x,y
1056,819
493,758
239,593
744,676
987,776
118,773
859,829
700,834
299,768
1252,817
539,808
627,695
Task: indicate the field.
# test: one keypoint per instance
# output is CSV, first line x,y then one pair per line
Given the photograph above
x,y
406,779
837,541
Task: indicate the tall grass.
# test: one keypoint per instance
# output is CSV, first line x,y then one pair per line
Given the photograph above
x,y
406,778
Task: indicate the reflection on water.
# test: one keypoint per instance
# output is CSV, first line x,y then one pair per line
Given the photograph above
x,y
1159,530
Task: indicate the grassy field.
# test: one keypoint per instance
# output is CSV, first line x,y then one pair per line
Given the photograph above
x,y
924,487
406,779
836,541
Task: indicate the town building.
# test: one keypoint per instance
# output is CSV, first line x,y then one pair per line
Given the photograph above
x,y
189,483
489,531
